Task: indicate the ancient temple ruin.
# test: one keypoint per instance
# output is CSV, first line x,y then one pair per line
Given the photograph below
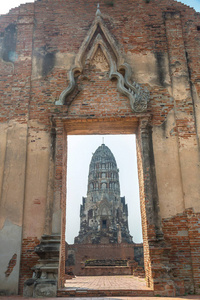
x,y
130,67
103,213
104,245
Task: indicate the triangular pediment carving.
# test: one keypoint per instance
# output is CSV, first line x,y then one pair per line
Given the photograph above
x,y
100,49
100,61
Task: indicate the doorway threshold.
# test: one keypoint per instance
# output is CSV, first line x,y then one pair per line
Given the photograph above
x,y
105,286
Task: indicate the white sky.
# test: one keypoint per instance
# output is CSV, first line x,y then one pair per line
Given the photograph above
x,y
81,148
5,6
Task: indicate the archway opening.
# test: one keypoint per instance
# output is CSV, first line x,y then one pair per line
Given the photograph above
x,y
108,127
80,149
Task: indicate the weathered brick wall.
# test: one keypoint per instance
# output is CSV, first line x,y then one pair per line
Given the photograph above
x,y
28,259
160,40
84,252
181,231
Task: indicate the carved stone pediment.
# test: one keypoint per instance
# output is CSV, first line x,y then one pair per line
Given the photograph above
x,y
100,61
99,48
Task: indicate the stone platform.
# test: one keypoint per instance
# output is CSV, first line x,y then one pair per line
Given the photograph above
x,y
193,297
102,286
78,257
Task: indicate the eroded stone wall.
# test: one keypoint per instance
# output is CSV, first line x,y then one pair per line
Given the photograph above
x,y
38,44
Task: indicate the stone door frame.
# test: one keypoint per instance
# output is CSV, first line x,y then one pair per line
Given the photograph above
x,y
141,126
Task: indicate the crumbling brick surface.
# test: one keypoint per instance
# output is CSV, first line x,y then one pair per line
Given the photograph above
x,y
160,41
11,265
181,232
28,259
52,34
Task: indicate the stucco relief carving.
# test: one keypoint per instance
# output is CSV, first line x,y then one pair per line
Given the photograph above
x,y
100,61
100,49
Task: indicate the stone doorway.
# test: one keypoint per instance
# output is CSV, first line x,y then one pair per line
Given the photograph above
x,y
150,218
114,254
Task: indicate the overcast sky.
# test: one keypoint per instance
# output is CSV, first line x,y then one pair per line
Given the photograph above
x,y
6,5
80,149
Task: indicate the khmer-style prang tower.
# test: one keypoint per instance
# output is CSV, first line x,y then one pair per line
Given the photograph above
x,y
103,213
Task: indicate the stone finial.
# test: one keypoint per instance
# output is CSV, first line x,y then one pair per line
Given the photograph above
x,y
98,12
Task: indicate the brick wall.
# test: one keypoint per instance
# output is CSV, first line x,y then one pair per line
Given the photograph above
x,y
181,232
28,259
160,40
84,252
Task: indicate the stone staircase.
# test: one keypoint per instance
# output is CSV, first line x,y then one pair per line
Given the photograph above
x,y
137,270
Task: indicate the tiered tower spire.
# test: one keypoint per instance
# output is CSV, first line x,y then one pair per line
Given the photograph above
x,y
103,213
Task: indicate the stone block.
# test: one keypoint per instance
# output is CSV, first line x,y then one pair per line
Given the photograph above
x,y
45,288
28,287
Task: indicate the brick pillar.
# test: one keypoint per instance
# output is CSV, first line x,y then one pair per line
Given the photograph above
x,y
149,181
141,175
186,130
20,98
51,178
148,193
59,184
156,252
50,271
59,205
